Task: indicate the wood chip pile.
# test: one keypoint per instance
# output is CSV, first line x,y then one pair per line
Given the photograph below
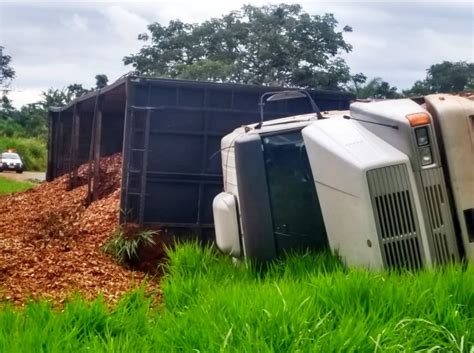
x,y
50,243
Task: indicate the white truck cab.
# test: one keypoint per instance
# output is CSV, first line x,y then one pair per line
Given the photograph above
x,y
269,203
388,184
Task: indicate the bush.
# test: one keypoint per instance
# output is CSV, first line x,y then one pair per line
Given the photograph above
x,y
32,151
11,129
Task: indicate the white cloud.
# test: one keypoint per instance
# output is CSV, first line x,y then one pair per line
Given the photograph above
x,y
404,59
21,97
76,23
124,23
58,42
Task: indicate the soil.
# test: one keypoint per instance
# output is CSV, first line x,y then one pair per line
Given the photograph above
x,y
50,242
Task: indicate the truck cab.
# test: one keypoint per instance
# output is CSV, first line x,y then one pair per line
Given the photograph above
x,y
269,204
387,184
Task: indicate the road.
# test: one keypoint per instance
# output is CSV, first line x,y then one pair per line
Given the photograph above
x,y
40,176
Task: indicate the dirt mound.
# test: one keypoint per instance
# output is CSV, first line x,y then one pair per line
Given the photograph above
x,y
50,242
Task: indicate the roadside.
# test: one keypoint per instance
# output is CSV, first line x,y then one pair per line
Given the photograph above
x,y
8,186
25,176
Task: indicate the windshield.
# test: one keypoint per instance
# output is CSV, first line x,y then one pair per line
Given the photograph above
x,y
10,156
296,213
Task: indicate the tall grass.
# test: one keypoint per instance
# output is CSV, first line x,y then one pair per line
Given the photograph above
x,y
312,303
305,303
32,151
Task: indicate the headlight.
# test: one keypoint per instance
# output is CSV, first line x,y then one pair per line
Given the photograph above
x,y
422,138
425,155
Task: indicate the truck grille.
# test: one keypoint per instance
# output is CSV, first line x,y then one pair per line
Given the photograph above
x,y
395,217
442,238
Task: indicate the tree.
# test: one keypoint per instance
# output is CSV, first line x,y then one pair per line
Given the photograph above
x,y
450,77
54,97
375,88
420,88
7,73
31,119
446,77
269,45
7,111
75,90
355,83
101,81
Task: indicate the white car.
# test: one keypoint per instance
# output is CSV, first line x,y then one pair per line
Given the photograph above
x,y
11,161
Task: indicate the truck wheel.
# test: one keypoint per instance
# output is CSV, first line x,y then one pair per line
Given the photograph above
x,y
19,171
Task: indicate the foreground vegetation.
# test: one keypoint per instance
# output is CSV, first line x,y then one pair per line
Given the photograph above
x,y
306,304
32,151
8,186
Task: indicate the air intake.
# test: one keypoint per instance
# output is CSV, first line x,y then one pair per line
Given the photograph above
x,y
395,216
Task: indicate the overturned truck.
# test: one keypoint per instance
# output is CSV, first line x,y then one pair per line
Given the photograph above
x,y
169,133
387,184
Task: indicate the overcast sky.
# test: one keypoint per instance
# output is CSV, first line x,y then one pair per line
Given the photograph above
x,y
56,43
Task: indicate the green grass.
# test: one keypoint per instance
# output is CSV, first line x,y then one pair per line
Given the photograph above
x,y
32,151
8,186
301,304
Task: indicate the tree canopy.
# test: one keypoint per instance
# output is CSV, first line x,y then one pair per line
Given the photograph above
x,y
446,77
7,73
268,45
101,81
